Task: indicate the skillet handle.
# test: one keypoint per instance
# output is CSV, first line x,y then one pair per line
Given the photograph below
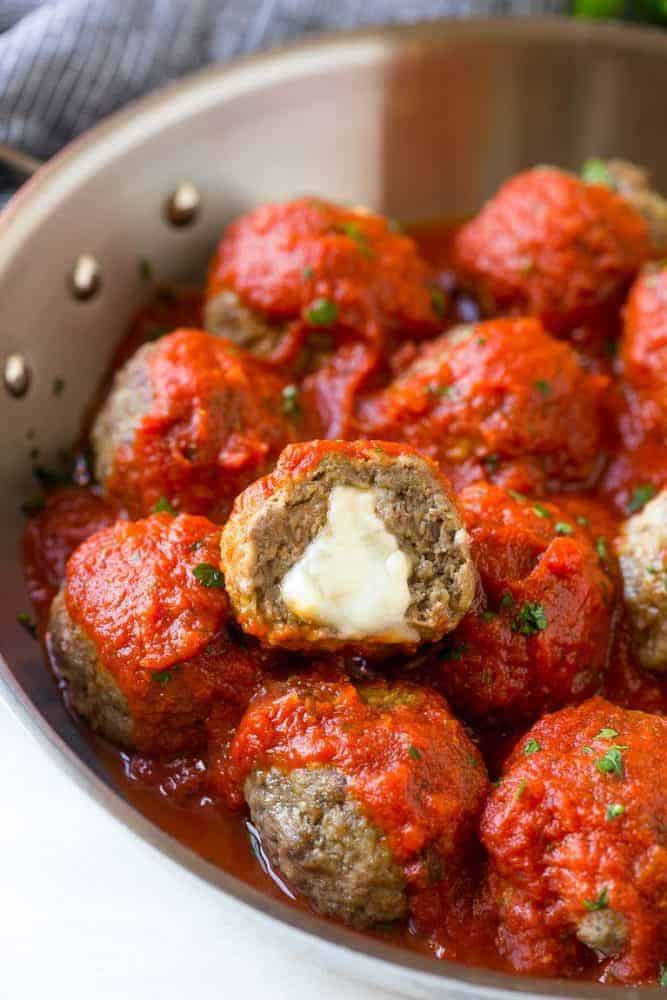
x,y
21,164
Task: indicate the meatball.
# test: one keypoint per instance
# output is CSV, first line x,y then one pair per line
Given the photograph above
x,y
550,245
541,638
285,270
642,551
348,545
189,422
139,633
499,399
575,831
633,183
361,794
644,346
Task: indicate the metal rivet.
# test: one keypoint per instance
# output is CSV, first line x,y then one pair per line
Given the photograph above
x,y
85,277
182,206
16,375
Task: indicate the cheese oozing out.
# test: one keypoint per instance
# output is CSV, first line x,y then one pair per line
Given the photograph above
x,y
352,577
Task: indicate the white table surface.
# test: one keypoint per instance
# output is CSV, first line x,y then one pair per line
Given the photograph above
x,y
89,912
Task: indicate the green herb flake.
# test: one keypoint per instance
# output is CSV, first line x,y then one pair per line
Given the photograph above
x,y
519,497
162,676
507,601
196,545
454,652
532,746
614,809
322,312
541,510
208,575
163,506
492,461
438,301
521,789
611,763
563,528
531,620
601,903
307,273
640,496
488,616
58,386
601,548
543,386
583,521
607,733
444,391
28,623
355,233
414,752
290,401
145,269
587,750
596,171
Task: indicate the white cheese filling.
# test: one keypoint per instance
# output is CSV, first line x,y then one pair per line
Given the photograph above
x,y
352,577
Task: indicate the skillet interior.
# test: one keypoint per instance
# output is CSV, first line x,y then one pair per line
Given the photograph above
x,y
415,122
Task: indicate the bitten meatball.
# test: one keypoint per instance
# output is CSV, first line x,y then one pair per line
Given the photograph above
x,y
642,551
189,422
644,345
286,270
357,545
359,794
575,831
550,245
139,633
541,638
500,400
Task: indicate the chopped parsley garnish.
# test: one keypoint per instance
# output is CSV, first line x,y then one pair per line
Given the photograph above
x,y
641,496
28,623
322,312
145,269
414,752
531,620
162,676
614,809
563,528
438,301
601,903
355,232
163,506
532,746
507,601
454,652
481,341
541,510
601,548
208,575
607,733
612,762
521,789
519,497
543,386
492,461
583,521
307,273
441,390
488,616
596,171
58,385
290,401
196,545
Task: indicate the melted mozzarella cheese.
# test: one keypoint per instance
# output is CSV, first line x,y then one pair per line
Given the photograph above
x,y
352,577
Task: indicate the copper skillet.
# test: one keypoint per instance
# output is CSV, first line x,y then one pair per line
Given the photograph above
x,y
417,122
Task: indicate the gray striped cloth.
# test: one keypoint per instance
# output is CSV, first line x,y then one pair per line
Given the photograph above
x,y
66,63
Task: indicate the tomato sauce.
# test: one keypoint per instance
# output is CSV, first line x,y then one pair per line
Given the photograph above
x,y
171,790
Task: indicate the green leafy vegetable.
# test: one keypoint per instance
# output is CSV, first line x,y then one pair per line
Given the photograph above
x,y
208,575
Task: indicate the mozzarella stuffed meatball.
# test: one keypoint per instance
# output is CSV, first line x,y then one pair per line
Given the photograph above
x,y
540,638
575,831
348,545
138,632
642,552
189,422
286,271
496,400
551,245
360,795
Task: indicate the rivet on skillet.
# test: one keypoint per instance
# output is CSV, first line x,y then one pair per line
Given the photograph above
x,y
182,206
16,375
85,277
